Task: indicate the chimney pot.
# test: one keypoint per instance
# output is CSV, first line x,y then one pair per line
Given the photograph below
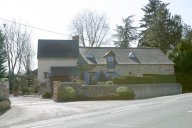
x,y
76,37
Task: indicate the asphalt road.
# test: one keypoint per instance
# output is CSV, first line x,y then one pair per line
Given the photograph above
x,y
162,112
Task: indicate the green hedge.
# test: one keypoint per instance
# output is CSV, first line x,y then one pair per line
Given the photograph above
x,y
133,80
186,80
146,79
158,78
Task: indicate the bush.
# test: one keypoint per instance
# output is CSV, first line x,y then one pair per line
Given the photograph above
x,y
102,77
93,82
133,80
125,92
29,90
158,78
101,83
146,79
4,105
32,90
109,83
46,95
66,93
24,90
186,80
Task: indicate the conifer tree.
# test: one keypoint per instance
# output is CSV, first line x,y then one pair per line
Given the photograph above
x,y
2,56
125,34
159,28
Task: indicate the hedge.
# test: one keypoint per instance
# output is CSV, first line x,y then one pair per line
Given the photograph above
x,y
159,78
146,79
186,80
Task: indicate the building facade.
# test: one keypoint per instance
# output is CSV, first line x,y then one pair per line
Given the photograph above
x,y
64,59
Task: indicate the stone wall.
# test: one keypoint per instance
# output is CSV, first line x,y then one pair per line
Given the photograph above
x,y
4,91
4,97
136,69
140,90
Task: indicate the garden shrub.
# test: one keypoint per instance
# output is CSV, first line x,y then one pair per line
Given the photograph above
x,y
133,80
146,79
109,83
46,95
93,82
159,78
101,83
186,80
24,91
125,92
66,93
102,77
4,105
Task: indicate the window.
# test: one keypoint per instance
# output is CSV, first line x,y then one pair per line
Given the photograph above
x,y
45,75
131,55
110,62
90,55
110,59
91,58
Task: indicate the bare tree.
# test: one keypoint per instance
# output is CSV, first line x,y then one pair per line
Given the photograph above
x,y
27,57
91,27
16,38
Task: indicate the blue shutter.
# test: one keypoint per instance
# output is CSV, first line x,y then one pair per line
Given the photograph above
x,y
97,75
86,77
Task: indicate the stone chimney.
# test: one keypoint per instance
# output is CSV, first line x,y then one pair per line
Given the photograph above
x,y
76,37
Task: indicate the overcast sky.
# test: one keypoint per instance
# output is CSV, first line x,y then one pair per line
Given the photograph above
x,y
56,15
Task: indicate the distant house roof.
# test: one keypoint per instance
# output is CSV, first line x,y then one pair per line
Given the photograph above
x,y
141,55
64,71
58,49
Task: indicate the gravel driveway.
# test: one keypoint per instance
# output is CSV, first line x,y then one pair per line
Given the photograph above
x,y
33,108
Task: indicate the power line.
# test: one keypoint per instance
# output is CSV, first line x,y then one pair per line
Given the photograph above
x,y
35,27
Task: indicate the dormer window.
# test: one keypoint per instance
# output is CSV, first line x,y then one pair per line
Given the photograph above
x,y
91,58
110,59
131,55
110,62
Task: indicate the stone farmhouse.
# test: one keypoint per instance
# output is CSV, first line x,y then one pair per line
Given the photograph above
x,y
64,60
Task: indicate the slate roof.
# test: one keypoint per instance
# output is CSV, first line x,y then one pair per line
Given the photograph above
x,y
58,49
142,55
63,71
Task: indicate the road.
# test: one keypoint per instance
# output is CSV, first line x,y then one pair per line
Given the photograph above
x,y
161,112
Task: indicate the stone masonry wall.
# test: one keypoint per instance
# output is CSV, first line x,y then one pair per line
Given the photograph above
x,y
4,97
4,91
136,70
140,90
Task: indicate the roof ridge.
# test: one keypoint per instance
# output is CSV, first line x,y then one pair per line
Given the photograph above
x,y
115,48
55,40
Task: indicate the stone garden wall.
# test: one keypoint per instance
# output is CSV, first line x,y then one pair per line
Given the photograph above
x,y
140,90
4,90
4,96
